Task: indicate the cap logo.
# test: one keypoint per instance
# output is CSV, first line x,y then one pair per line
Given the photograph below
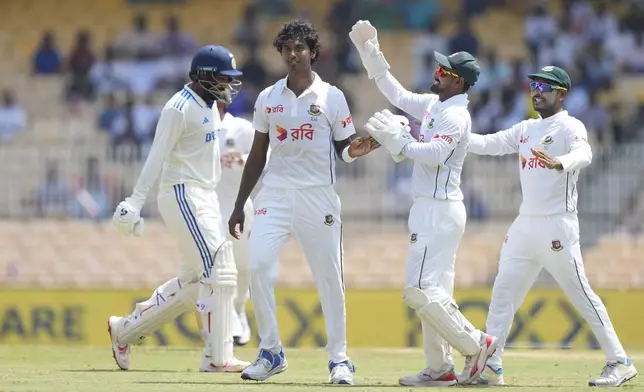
x,y
233,63
548,68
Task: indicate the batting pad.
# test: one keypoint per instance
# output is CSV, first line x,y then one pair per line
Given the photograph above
x,y
168,302
218,309
445,319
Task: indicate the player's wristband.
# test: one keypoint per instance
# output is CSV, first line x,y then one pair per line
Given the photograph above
x,y
345,155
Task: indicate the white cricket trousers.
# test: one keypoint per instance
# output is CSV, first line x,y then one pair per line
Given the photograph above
x,y
312,217
550,242
193,217
241,250
436,228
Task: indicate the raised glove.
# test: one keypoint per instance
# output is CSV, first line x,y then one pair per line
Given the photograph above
x,y
127,218
388,130
365,38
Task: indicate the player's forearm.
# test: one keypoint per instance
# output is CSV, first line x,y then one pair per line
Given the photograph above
x,y
342,149
576,159
489,145
400,97
427,153
147,178
251,175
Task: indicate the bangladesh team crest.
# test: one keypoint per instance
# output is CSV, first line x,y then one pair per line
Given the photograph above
x,y
556,245
413,238
314,110
328,220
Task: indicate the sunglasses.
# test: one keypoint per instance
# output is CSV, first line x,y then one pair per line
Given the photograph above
x,y
545,87
440,72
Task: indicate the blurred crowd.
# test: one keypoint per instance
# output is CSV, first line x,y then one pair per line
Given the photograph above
x,y
123,79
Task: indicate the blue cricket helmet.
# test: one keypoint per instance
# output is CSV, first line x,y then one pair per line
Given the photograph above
x,y
214,61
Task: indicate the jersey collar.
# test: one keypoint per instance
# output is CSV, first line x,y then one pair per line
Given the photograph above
x,y
456,100
312,88
554,117
194,95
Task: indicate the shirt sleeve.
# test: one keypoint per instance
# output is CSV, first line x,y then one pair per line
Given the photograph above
x,y
167,134
500,143
580,154
400,97
342,125
260,119
449,131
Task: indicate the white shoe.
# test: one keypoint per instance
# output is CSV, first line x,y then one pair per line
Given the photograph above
x,y
242,337
430,378
233,365
489,376
614,374
265,366
342,373
475,364
120,352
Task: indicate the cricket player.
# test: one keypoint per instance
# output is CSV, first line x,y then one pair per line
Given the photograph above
x,y
186,155
552,150
307,123
437,217
235,140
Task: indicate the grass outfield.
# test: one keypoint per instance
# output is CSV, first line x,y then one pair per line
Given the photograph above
x,y
81,369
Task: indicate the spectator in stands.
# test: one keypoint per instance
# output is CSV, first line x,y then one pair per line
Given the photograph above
x,y
108,77
91,194
424,46
634,19
255,73
109,114
605,23
248,31
46,60
417,14
81,61
125,144
274,8
566,46
176,43
599,68
484,113
52,197
464,40
140,43
495,72
597,121
12,116
635,54
539,26
144,120
342,15
615,45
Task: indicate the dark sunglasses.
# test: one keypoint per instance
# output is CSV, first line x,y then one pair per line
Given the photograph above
x,y
545,87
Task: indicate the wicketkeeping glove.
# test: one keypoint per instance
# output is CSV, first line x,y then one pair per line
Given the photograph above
x,y
127,218
365,38
388,130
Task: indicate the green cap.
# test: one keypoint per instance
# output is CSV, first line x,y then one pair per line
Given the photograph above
x,y
462,63
553,74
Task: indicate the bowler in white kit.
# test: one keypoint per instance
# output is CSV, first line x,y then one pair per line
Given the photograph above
x,y
186,155
307,124
236,140
437,217
552,151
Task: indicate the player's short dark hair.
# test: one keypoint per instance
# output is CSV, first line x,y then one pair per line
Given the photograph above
x,y
299,30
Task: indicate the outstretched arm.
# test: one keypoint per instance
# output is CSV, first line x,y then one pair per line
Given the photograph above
x,y
500,143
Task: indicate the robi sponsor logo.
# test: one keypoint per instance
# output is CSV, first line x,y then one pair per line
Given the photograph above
x,y
305,131
274,109
447,138
530,163
346,121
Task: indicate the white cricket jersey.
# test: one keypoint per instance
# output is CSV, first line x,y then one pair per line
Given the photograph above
x,y
562,136
442,141
185,149
236,136
301,131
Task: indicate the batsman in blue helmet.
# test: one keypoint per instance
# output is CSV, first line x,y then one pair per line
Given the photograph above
x,y
185,158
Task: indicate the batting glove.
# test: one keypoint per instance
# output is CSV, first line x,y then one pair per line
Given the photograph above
x,y
127,218
390,132
365,38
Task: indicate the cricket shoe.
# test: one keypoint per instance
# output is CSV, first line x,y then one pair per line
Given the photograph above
x,y
265,366
614,374
120,352
242,336
475,364
342,373
490,377
430,378
233,365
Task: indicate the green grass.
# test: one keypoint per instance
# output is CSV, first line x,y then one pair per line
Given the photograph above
x,y
76,369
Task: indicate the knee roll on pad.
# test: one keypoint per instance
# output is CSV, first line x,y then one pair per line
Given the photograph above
x,y
224,271
445,318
